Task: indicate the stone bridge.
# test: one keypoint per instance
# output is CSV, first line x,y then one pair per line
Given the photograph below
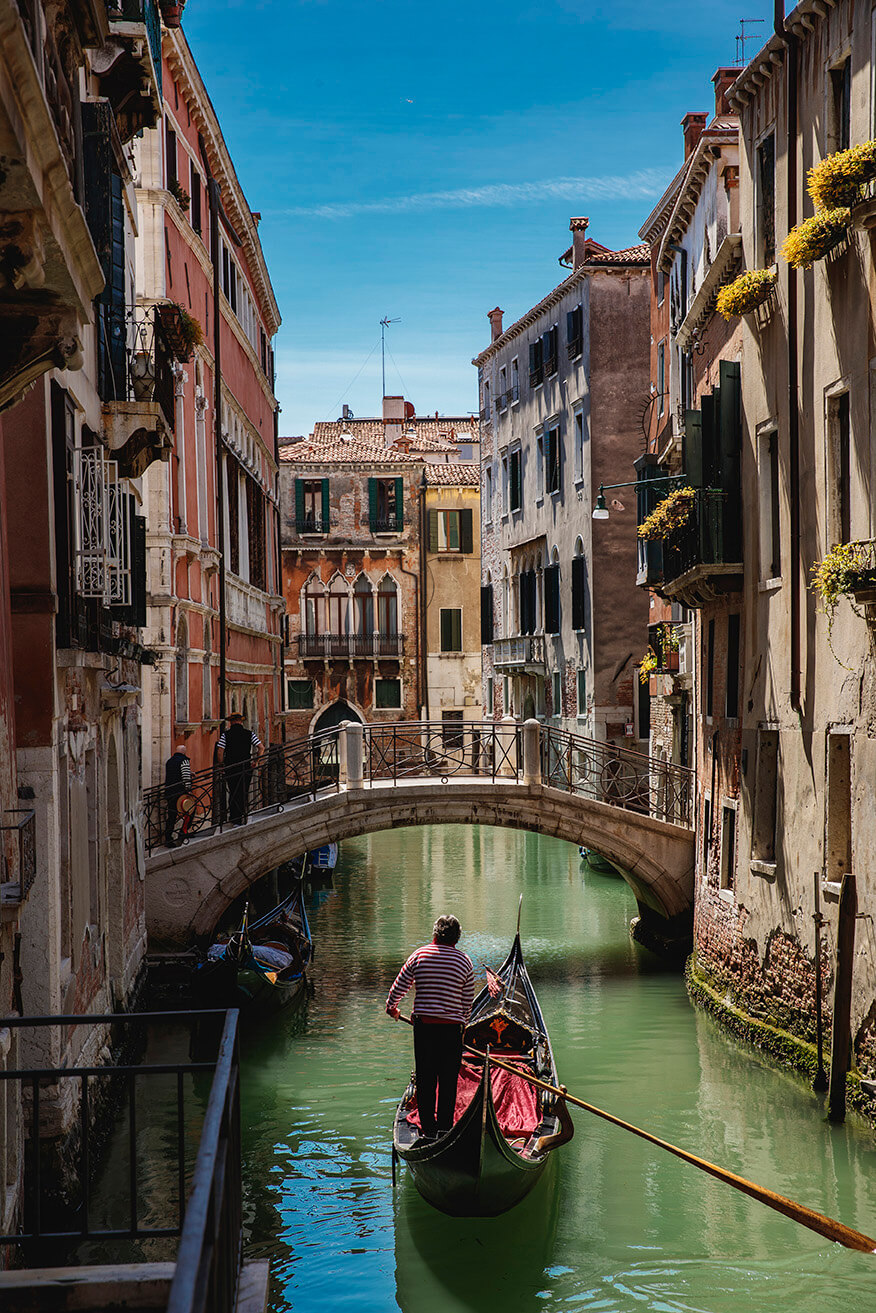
x,y
361,779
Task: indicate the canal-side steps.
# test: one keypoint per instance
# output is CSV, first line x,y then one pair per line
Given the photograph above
x,y
358,779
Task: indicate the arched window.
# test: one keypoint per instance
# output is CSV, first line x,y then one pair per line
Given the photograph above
x,y
387,606
314,606
338,606
552,595
363,610
182,671
579,588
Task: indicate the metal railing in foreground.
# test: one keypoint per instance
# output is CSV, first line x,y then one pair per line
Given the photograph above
x,y
616,775
208,1222
226,795
442,748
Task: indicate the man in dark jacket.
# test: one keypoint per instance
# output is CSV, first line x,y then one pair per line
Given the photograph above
x,y
235,750
177,782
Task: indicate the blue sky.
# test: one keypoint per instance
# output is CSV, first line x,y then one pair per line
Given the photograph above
x,y
422,162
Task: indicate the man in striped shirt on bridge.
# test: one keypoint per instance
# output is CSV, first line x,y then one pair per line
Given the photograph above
x,y
443,977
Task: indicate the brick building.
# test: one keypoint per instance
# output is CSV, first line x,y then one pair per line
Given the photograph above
x,y
209,615
363,602
562,392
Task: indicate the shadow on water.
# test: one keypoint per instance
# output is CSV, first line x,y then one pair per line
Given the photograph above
x,y
479,1264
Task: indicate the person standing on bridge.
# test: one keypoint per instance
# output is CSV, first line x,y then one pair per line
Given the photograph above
x,y
177,783
235,750
443,977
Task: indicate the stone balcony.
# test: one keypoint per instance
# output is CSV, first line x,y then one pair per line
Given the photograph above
x,y
129,65
248,607
522,655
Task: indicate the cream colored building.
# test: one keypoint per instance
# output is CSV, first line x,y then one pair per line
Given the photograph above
x,y
452,599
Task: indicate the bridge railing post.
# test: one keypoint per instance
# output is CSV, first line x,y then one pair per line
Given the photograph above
x,y
506,747
351,755
531,752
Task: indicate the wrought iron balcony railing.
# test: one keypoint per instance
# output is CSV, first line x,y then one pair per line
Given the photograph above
x,y
325,646
18,846
135,362
387,524
312,524
711,537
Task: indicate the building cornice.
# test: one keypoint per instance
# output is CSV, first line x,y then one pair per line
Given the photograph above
x,y
656,221
800,23
702,161
726,260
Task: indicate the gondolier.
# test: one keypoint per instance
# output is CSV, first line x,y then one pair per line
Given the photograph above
x,y
443,977
177,782
235,750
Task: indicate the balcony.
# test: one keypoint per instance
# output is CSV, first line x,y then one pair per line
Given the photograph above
x,y
136,384
703,559
312,524
523,655
18,847
129,65
350,647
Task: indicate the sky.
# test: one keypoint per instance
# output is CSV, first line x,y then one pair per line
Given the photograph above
x,y
421,163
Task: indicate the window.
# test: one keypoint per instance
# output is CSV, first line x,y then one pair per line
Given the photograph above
x,y
580,437
299,694
450,531
553,458
763,821
732,682
539,466
643,708
839,466
549,351
766,200
552,597
451,629
387,606
233,486
841,106
182,672
452,733
255,509
515,380
170,164
515,479
385,510
387,694
195,193
506,696
536,363
502,394
527,602
582,692
579,589
363,608
710,668
728,846
575,332
838,801
556,694
487,614
488,494
206,676
338,601
314,606
312,505
661,378
661,286
506,485
490,708
707,834
770,512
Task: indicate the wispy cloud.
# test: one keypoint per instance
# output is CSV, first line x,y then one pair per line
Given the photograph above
x,y
633,186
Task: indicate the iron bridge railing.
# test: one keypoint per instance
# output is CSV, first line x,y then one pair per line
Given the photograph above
x,y
442,748
617,776
207,1217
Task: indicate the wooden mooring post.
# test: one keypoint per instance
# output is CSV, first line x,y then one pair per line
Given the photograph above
x,y
842,1000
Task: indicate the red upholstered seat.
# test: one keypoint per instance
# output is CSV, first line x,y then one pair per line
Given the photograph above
x,y
515,1100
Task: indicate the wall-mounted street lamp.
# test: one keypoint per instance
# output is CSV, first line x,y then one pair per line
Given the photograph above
x,y
600,510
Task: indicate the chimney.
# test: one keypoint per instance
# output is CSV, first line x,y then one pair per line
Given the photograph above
x,y
393,416
495,318
692,126
723,81
347,412
578,228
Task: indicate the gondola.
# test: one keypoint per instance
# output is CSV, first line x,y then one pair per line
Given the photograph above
x,y
249,970
500,1142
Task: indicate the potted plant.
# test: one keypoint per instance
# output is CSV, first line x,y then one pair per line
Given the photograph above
x,y
839,179
746,292
182,330
816,237
848,570
669,515
179,194
648,666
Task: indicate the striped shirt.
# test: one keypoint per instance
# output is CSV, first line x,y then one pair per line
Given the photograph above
x,y
255,742
444,980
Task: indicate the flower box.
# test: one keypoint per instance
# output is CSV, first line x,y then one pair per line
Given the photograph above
x,y
746,292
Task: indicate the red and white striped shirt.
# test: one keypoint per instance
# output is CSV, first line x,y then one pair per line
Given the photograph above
x,y
444,980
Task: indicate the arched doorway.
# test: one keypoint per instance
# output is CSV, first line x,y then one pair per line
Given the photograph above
x,y
333,715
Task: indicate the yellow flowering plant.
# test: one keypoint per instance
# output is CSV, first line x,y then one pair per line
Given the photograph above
x,y
746,292
647,665
838,179
846,568
815,237
672,513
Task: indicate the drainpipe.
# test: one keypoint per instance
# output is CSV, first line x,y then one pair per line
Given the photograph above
x,y
214,195
278,520
423,649
789,40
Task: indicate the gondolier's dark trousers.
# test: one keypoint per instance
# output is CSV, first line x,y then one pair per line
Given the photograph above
x,y
438,1056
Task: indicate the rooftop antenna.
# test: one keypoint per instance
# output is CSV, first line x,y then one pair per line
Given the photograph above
x,y
383,324
742,38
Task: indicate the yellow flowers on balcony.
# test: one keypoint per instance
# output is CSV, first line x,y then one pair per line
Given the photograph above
x,y
669,515
847,569
746,292
814,238
647,665
837,181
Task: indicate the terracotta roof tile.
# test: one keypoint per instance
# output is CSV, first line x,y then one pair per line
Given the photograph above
x,y
631,255
455,474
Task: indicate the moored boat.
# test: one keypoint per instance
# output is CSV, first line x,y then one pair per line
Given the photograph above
x,y
504,1128
262,965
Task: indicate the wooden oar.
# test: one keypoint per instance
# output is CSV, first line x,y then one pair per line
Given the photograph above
x,y
826,1226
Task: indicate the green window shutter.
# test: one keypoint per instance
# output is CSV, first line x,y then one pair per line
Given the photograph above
x,y
433,531
372,503
399,502
299,503
457,630
466,537
325,504
445,630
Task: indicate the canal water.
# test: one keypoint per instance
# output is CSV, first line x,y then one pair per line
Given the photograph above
x,y
614,1224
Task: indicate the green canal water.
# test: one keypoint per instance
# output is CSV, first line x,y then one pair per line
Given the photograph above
x,y
614,1224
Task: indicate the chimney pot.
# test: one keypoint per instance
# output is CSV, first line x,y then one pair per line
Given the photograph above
x,y
723,81
578,228
692,125
495,318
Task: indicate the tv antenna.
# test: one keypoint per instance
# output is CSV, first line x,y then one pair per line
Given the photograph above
x,y
742,38
383,324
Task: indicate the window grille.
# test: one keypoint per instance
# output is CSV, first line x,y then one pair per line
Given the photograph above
x,y
103,539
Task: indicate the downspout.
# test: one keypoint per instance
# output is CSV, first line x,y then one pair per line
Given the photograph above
x,y
279,553
423,647
215,202
789,40
419,610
